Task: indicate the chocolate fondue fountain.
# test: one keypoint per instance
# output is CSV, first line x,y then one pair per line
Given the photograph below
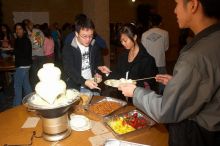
x,y
52,101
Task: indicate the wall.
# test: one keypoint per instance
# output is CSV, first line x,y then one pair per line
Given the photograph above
x,y
98,10
120,11
60,11
166,10
125,10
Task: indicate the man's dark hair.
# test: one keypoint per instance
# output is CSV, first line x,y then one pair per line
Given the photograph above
x,y
79,16
83,22
155,19
211,7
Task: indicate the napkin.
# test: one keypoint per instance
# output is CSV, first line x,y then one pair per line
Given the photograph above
x,y
31,122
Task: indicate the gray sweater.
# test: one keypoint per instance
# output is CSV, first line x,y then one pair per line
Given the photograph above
x,y
194,91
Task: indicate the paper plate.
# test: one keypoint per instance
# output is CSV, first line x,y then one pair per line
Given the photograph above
x,y
116,83
112,83
79,123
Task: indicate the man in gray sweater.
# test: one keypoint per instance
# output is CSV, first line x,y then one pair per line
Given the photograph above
x,y
190,104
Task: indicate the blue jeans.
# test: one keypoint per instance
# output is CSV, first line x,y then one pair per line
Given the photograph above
x,y
21,81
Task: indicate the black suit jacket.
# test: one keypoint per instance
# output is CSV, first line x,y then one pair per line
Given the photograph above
x,y
72,62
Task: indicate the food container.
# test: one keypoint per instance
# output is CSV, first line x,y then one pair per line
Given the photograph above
x,y
86,98
106,106
115,142
128,123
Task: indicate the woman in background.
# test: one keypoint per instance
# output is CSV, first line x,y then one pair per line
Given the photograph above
x,y
48,44
6,36
23,60
6,40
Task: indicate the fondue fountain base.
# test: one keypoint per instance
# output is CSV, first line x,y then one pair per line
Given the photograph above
x,y
55,123
55,129
55,120
52,100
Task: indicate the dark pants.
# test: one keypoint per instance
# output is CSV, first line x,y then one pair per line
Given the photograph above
x,y
189,133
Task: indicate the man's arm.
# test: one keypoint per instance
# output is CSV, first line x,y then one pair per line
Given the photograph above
x,y
68,64
182,96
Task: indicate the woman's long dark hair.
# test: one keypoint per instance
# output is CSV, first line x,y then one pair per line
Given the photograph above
x,y
23,27
8,32
130,30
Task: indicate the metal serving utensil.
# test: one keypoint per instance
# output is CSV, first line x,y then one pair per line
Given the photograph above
x,y
144,79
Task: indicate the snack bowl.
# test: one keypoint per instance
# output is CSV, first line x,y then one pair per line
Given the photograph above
x,y
86,98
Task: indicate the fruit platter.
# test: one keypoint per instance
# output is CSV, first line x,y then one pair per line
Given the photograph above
x,y
128,122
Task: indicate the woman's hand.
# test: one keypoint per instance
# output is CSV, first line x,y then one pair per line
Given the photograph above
x,y
163,78
104,69
127,89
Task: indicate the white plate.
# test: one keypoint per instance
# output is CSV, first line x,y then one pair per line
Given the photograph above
x,y
79,123
116,83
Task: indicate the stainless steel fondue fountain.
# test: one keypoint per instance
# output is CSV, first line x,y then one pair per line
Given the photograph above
x,y
55,121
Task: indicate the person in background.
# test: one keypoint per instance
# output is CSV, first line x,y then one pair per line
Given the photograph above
x,y
48,44
156,41
23,60
37,40
67,28
82,57
56,35
6,40
190,103
6,37
135,60
101,43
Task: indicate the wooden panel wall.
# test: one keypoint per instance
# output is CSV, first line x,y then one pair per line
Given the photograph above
x,y
60,11
125,10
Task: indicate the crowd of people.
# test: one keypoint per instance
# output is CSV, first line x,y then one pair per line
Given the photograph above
x,y
32,45
189,100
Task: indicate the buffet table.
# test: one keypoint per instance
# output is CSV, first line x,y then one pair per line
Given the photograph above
x,y
12,120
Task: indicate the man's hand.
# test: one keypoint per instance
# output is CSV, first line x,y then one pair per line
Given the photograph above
x,y
127,89
104,69
163,78
91,84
